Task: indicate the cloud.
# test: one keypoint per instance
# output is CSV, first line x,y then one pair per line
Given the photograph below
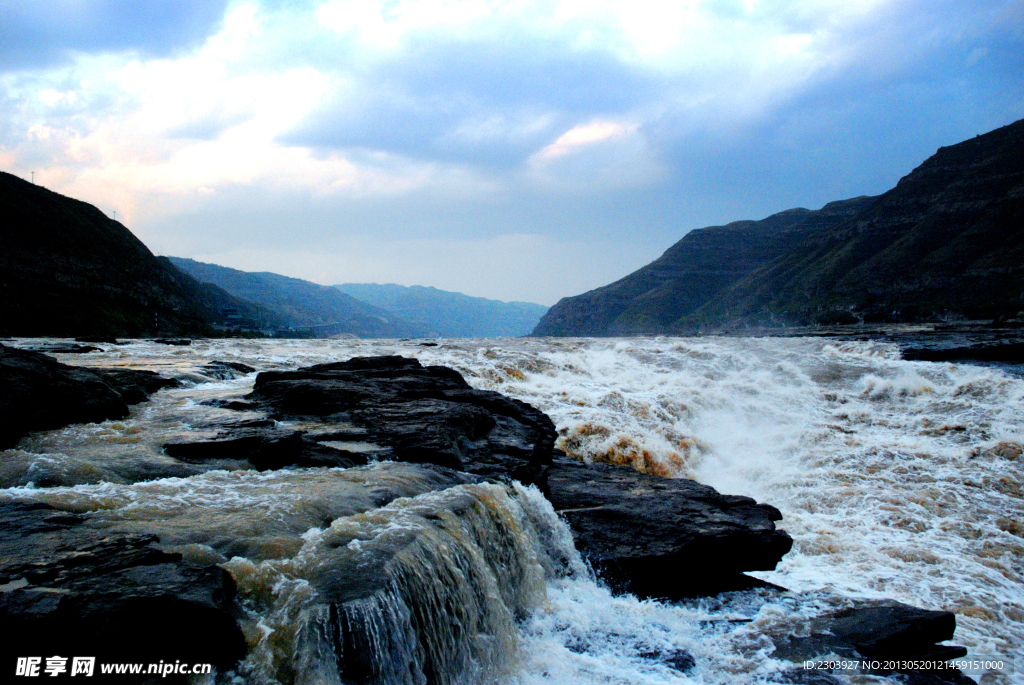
x,y
41,34
584,136
324,128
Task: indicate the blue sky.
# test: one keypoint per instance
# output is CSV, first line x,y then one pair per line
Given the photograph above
x,y
509,149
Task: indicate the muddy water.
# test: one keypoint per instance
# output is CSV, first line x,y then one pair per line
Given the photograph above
x,y
896,479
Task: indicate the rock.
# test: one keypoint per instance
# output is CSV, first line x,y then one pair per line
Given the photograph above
x,y
64,348
663,537
880,631
108,339
266,449
73,590
135,385
897,631
178,342
227,370
39,393
678,659
420,414
221,403
991,352
805,676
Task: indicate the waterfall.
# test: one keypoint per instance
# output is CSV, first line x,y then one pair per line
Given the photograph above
x,y
427,589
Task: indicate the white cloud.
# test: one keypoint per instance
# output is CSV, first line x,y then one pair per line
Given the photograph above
x,y
584,135
598,155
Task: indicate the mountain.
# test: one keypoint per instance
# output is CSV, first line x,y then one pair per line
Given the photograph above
x,y
451,315
946,242
306,306
66,269
689,274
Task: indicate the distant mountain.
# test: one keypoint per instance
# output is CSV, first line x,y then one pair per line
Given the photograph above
x,y
66,269
302,305
451,315
946,242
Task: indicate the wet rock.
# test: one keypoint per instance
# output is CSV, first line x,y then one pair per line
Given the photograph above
x,y
39,393
226,371
221,403
805,676
663,537
135,385
678,659
880,632
64,348
110,340
998,351
177,342
73,590
896,631
266,449
421,414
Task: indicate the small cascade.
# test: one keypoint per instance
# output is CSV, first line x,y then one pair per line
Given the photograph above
x,y
427,589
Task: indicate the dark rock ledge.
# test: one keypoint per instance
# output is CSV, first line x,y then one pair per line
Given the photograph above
x,y
664,537
879,631
78,591
39,393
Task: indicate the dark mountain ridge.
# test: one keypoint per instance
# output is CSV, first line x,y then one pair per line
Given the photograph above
x,y
946,242
67,269
689,274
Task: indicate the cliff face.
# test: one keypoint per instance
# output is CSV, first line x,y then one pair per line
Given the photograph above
x,y
948,240
690,274
66,269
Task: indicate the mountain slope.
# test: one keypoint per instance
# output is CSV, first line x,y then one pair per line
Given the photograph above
x,y
301,304
66,269
947,241
452,315
689,274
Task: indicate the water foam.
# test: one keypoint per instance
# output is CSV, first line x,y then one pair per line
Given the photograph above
x,y
896,479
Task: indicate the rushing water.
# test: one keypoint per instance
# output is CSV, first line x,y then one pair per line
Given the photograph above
x,y
896,479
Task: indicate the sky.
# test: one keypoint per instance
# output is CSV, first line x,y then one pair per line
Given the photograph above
x,y
508,149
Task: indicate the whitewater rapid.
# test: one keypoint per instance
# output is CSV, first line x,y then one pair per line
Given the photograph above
x,y
896,479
